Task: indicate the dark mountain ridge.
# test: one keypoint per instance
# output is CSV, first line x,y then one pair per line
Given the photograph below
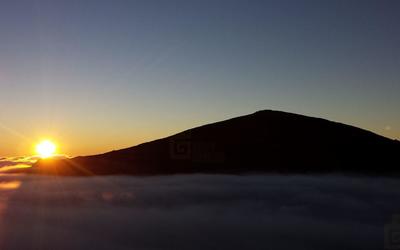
x,y
266,141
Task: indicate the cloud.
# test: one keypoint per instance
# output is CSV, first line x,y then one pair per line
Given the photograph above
x,y
197,212
13,161
22,160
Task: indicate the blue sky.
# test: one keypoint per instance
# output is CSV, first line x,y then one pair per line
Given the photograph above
x,y
101,75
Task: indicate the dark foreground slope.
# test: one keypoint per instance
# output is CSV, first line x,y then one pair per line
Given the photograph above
x,y
266,141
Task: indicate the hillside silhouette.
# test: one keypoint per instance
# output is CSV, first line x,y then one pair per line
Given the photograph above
x,y
266,141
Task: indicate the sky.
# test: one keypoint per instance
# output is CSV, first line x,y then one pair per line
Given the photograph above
x,y
101,75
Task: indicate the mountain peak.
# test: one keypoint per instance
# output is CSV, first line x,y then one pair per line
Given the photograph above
x,y
265,141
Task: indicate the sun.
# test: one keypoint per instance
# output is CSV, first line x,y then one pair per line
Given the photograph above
x,y
46,149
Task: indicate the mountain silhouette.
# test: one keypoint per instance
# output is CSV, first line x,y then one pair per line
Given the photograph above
x,y
266,141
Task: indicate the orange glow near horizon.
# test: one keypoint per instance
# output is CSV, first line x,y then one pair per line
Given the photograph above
x,y
46,149
9,185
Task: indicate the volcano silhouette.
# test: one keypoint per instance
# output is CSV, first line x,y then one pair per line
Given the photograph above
x,y
266,141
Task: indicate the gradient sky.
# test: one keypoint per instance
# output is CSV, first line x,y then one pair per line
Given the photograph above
x,y
100,75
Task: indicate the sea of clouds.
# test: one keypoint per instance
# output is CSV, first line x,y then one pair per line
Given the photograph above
x,y
196,212
14,161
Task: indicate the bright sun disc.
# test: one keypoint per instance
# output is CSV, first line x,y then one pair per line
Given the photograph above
x,y
46,149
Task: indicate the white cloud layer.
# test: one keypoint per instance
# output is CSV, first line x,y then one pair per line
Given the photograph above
x,y
196,212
